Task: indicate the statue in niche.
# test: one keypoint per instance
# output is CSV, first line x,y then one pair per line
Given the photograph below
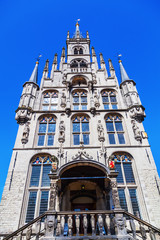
x,y
96,100
137,132
100,130
63,100
25,134
61,138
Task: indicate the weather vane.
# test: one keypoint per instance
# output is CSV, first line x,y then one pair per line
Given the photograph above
x,y
39,57
119,57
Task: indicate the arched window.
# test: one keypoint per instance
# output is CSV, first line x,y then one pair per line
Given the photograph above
x,y
109,99
46,131
39,186
80,130
127,187
80,51
74,64
79,100
83,64
75,51
50,101
115,129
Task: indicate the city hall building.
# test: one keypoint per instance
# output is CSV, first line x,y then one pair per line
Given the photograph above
x,y
81,167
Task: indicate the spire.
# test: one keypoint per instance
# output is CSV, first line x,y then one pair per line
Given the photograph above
x,y
46,66
34,75
54,66
101,59
68,35
55,59
103,65
77,32
94,60
63,52
111,68
124,75
87,35
93,52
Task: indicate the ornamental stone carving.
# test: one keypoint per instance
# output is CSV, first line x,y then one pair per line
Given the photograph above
x,y
29,233
136,131
63,100
120,223
137,113
100,130
53,194
96,100
61,138
25,134
49,226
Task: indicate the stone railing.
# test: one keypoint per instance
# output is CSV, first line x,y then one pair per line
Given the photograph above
x,y
116,224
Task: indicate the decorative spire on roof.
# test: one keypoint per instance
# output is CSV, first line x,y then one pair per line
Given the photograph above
x,y
77,33
93,52
46,66
34,75
55,59
124,75
101,58
111,68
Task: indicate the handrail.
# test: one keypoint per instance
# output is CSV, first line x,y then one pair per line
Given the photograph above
x,y
25,226
142,221
116,211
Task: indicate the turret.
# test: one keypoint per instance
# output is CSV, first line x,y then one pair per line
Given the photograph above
x,y
130,95
94,60
54,66
26,104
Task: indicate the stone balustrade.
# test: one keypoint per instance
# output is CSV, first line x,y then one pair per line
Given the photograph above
x,y
116,224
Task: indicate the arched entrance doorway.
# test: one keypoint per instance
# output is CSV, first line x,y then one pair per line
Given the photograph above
x,y
84,186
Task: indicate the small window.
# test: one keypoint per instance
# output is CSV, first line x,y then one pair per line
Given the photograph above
x,y
80,130
115,130
80,51
79,100
75,51
47,128
109,99
50,101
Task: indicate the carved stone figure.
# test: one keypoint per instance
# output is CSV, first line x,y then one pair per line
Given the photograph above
x,y
120,223
49,225
96,100
100,130
53,194
137,132
63,100
61,131
115,195
29,233
25,133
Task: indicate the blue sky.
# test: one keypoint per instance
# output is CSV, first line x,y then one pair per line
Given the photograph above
x,y
119,26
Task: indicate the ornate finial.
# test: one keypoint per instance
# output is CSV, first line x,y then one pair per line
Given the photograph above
x,y
37,62
77,22
119,58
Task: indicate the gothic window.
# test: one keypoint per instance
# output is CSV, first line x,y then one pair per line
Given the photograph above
x,y
109,99
83,64
46,131
80,51
74,64
79,100
50,101
127,187
38,187
80,130
115,129
75,51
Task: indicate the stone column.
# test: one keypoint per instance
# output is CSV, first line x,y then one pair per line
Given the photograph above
x,y
113,185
